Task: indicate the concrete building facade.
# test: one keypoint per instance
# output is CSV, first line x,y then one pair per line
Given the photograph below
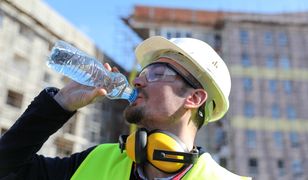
x,y
264,134
28,30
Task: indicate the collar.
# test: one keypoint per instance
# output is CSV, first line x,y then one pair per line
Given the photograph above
x,y
140,175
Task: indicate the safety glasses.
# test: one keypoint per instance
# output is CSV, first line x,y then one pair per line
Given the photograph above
x,y
158,72
163,72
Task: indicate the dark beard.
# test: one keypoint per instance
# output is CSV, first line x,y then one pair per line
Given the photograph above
x,y
133,114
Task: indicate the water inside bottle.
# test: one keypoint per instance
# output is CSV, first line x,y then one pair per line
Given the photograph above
x,y
74,73
86,70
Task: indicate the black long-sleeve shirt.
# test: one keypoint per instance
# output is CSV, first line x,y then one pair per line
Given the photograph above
x,y
19,145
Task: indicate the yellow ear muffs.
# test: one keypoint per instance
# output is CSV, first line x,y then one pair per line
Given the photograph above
x,y
162,149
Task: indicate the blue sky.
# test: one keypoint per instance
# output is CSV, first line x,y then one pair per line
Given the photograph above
x,y
99,19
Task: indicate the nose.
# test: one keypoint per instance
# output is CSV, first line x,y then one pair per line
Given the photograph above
x,y
139,81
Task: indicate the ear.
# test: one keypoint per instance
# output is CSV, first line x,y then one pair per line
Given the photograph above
x,y
196,98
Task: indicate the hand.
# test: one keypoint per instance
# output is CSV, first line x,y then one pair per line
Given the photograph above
x,y
74,95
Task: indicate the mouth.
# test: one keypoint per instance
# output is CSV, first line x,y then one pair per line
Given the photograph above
x,y
137,101
139,98
142,95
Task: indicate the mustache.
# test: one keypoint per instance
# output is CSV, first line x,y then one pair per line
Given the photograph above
x,y
142,92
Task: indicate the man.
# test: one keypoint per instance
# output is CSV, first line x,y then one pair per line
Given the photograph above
x,y
183,85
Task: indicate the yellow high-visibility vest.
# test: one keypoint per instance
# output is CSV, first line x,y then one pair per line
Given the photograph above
x,y
107,162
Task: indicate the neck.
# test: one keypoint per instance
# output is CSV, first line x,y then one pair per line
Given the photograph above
x,y
183,127
151,172
186,135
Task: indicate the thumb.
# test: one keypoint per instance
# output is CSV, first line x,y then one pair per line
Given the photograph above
x,y
100,92
96,94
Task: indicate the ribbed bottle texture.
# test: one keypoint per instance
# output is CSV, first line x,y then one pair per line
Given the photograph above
x,y
84,69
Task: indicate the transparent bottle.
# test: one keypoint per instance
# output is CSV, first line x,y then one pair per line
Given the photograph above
x,y
84,69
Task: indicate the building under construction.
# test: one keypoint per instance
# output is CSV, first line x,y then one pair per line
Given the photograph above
x,y
265,132
28,30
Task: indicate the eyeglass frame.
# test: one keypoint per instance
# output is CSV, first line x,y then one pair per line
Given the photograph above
x,y
174,69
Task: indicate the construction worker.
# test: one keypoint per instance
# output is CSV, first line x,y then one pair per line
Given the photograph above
x,y
183,85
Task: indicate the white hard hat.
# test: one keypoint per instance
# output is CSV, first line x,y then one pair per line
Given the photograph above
x,y
202,62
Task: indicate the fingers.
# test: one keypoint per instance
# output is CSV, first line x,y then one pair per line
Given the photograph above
x,y
108,67
100,92
92,91
115,69
74,85
97,94
75,95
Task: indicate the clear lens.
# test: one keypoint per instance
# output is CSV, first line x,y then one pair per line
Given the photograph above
x,y
158,72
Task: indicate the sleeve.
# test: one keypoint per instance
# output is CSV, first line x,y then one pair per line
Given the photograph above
x,y
19,145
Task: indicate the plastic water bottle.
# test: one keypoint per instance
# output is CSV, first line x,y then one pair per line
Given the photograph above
x,y
84,69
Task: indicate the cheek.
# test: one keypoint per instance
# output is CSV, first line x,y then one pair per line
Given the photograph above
x,y
160,100
161,95
165,99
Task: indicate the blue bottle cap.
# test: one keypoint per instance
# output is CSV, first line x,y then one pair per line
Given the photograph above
x,y
133,96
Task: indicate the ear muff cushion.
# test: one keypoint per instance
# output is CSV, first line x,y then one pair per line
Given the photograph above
x,y
160,140
130,146
141,145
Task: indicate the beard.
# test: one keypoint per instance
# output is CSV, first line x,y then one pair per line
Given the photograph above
x,y
134,114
